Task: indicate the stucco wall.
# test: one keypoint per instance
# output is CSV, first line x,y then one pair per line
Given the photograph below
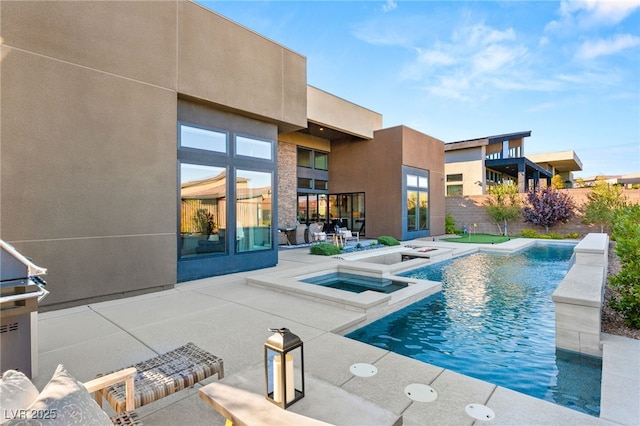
x,y
325,108
426,152
470,210
375,167
223,62
473,176
88,185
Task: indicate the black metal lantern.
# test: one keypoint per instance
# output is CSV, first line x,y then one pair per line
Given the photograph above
x,y
283,367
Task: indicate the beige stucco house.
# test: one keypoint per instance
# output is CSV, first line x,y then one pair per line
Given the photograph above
x,y
148,143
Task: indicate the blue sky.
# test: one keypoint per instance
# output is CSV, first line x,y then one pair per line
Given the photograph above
x,y
569,71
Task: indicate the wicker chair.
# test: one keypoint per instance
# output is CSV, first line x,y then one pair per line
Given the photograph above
x,y
165,374
126,378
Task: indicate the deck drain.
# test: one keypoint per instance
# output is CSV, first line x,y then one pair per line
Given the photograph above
x,y
363,370
480,412
421,393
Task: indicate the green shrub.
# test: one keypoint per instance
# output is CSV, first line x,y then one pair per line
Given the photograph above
x,y
627,284
449,224
325,249
529,233
626,230
388,241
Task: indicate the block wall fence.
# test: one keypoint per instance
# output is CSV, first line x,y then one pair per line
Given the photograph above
x,y
468,210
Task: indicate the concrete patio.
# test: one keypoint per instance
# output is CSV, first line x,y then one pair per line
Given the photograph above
x,y
229,318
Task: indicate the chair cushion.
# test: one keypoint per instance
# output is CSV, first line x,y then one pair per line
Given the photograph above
x,y
16,393
64,401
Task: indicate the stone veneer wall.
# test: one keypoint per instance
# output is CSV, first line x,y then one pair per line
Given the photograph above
x,y
287,185
470,209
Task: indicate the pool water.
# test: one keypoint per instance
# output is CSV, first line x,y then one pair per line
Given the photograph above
x,y
494,320
356,283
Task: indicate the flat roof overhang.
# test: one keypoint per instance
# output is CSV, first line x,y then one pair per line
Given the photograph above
x,y
510,166
326,132
474,143
565,161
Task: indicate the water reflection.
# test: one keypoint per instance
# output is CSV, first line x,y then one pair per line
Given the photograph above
x,y
494,320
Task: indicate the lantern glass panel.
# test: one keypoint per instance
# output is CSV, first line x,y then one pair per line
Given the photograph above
x,y
285,381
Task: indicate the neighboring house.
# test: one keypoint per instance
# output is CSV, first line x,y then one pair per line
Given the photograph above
x,y
148,143
562,163
472,166
629,181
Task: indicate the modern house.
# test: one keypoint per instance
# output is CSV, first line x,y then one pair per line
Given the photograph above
x,y
474,165
562,163
628,181
148,143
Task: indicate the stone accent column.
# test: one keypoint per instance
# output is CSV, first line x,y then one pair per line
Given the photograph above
x,y
287,184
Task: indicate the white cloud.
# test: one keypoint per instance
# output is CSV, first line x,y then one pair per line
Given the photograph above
x,y
477,60
389,6
435,57
496,58
592,13
595,48
480,34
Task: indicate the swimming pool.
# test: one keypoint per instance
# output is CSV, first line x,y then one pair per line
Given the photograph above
x,y
494,320
356,283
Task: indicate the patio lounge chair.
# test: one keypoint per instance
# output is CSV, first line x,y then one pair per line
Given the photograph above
x,y
316,233
166,374
349,235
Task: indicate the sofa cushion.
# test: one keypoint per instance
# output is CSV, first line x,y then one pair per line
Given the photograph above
x,y
63,401
16,393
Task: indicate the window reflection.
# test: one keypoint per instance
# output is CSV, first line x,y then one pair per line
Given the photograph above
x,y
253,148
321,160
417,202
304,157
203,210
193,137
254,207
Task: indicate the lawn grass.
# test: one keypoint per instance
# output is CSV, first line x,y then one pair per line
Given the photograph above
x,y
479,238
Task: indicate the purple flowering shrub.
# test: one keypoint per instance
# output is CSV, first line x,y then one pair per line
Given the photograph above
x,y
548,207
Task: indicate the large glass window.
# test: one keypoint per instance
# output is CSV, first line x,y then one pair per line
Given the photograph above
x,y
254,207
417,202
313,184
312,208
304,157
210,140
320,160
203,210
254,148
